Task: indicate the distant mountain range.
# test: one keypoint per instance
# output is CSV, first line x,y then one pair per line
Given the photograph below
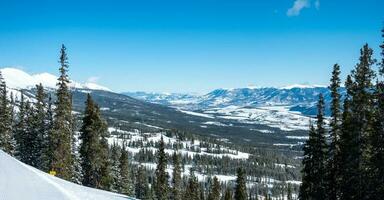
x,y
261,116
300,98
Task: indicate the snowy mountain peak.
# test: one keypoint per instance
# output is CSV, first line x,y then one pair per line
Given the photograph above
x,y
301,86
19,79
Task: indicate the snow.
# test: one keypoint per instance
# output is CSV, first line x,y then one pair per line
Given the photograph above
x,y
298,137
19,79
196,114
94,86
301,86
21,181
273,116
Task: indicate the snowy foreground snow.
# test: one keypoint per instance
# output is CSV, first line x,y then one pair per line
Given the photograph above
x,y
21,181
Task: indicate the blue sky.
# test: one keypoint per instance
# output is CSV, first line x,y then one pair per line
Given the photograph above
x,y
189,45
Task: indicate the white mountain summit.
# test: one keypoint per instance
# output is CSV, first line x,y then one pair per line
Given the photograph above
x,y
18,79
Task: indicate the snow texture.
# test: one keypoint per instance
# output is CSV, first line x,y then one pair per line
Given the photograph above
x,y
21,181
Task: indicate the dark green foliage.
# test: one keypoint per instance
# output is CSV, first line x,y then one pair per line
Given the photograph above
x,y
94,149
161,184
376,170
61,136
142,190
228,194
192,190
125,183
6,136
214,193
333,162
176,178
359,122
313,181
241,188
289,192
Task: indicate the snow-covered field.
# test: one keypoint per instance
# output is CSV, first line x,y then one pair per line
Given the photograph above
x,y
20,181
274,116
188,146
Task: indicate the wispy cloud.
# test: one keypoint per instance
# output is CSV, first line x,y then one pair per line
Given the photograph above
x,y
93,79
299,5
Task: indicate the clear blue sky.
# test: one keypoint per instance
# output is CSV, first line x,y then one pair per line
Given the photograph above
x,y
189,45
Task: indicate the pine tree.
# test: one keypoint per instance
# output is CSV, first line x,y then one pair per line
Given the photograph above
x,y
192,190
241,188
48,152
289,192
6,137
161,184
41,143
335,132
347,144
20,129
115,163
125,183
361,108
313,182
214,193
228,194
176,178
94,151
376,169
142,190
61,136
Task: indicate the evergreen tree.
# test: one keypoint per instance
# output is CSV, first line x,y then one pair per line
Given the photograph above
x,y
241,188
377,140
313,182
47,151
41,143
61,136
176,178
214,193
94,152
335,132
6,136
228,194
125,183
20,129
115,163
161,184
192,190
142,190
361,121
347,144
289,192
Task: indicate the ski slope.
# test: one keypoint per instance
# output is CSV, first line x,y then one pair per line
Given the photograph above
x,y
21,181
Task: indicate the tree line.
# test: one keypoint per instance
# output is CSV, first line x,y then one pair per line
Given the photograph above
x,y
346,160
42,132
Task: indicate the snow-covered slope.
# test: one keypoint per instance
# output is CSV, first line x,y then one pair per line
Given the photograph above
x,y
18,79
20,181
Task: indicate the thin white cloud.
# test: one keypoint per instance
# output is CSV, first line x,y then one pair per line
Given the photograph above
x,y
298,5
93,79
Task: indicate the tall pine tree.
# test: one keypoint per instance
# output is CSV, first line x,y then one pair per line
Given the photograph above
x,y
335,132
6,136
315,151
161,184
241,188
61,135
376,169
92,151
214,193
176,178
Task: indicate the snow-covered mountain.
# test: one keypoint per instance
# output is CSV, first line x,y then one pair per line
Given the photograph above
x,y
21,181
300,98
18,79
